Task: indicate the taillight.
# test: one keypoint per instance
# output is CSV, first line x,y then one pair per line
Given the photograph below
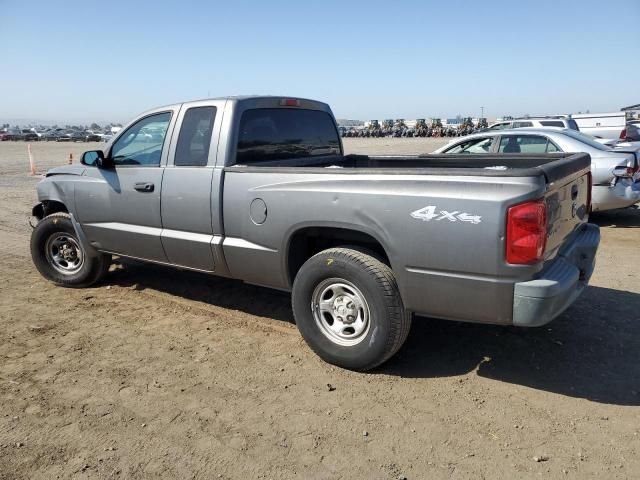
x,y
526,232
623,134
589,185
625,172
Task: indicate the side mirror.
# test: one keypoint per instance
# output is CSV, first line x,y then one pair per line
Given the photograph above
x,y
94,158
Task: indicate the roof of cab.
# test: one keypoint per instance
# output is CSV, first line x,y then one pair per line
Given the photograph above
x,y
255,99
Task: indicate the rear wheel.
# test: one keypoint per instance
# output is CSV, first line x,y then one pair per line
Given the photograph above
x,y
348,308
59,256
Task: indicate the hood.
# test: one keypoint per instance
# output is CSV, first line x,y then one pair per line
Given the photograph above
x,y
66,170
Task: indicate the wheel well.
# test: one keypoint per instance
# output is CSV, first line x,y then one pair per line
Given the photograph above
x,y
47,207
306,242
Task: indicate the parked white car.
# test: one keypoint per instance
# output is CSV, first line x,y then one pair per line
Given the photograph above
x,y
615,171
534,122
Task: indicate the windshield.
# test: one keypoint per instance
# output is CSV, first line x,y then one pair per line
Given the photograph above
x,y
588,139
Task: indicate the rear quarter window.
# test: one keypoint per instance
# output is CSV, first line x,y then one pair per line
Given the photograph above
x,y
269,134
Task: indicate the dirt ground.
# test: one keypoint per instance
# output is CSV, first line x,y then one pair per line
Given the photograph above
x,y
157,373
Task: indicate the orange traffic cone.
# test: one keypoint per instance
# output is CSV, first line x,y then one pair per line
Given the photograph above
x,y
70,158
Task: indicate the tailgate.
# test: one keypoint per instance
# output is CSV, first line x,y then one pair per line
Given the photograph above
x,y
567,208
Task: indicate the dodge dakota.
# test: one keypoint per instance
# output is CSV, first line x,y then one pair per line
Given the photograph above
x,y
259,189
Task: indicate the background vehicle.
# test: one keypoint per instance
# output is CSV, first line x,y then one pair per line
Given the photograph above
x,y
551,121
40,132
51,135
616,176
603,125
258,189
91,137
15,134
631,132
29,135
65,136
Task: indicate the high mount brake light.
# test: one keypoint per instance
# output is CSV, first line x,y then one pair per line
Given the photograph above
x,y
290,102
526,232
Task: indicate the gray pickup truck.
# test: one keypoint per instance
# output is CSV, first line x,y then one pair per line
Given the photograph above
x,y
258,189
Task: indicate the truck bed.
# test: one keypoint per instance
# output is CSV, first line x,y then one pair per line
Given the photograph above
x,y
385,198
552,166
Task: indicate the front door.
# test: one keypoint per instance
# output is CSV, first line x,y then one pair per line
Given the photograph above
x,y
120,209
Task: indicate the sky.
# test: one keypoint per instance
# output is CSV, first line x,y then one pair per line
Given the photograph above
x,y
83,61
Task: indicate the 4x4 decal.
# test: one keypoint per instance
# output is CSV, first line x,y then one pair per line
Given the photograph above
x,y
429,213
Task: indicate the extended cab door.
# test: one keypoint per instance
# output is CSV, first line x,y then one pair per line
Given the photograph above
x,y
189,201
119,207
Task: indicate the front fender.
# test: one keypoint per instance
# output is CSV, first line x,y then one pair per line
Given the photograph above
x,y
59,188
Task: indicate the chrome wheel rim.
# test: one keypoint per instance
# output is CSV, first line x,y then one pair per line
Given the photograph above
x,y
341,311
64,253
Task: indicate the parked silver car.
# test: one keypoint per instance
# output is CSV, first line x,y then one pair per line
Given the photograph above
x,y
615,172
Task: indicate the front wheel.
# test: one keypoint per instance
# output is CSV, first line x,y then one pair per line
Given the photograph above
x,y
348,308
59,256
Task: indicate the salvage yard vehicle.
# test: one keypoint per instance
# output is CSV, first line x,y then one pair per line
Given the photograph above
x,y
51,135
29,135
616,172
631,132
259,189
607,126
557,121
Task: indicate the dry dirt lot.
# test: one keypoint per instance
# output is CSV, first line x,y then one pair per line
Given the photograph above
x,y
157,373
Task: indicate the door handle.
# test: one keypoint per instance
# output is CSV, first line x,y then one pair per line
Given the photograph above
x,y
144,187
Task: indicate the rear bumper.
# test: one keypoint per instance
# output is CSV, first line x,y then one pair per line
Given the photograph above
x,y
623,194
539,301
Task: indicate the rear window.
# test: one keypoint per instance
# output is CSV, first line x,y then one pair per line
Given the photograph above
x,y
587,139
268,134
573,125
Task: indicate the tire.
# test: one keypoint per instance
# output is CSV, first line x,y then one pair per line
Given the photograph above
x,y
348,308
59,256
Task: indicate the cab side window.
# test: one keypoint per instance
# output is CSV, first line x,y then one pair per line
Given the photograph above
x,y
476,145
141,143
526,144
194,140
